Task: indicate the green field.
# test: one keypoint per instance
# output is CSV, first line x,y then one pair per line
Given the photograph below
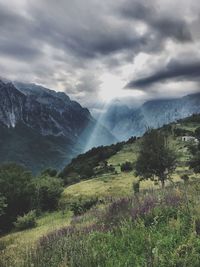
x,y
116,185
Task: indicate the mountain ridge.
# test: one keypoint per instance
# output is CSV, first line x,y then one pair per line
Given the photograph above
x,y
38,113
124,122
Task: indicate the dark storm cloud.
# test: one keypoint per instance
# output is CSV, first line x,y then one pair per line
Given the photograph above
x,y
166,25
8,17
71,45
18,50
87,37
16,40
105,44
174,70
86,30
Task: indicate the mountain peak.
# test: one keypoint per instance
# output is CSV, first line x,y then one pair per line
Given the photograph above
x,y
124,123
44,127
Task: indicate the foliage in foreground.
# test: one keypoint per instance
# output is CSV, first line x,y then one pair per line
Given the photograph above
x,y
156,159
20,193
26,221
80,206
158,229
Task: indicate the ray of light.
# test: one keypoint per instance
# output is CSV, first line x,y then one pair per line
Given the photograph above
x,y
95,137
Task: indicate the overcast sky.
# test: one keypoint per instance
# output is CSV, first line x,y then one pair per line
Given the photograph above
x,y
96,50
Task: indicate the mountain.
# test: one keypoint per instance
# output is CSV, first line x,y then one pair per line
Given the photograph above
x,y
41,128
124,122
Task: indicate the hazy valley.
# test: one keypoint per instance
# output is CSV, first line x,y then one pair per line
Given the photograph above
x,y
41,128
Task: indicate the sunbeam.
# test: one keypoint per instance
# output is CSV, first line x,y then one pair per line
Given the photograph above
x,y
93,140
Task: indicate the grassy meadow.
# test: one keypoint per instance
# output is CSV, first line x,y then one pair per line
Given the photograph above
x,y
154,228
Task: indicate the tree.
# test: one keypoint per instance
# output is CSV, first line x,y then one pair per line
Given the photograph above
x,y
156,160
197,133
48,192
195,162
3,205
16,191
185,178
49,172
126,166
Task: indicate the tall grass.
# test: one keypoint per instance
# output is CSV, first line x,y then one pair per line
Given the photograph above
x,y
157,229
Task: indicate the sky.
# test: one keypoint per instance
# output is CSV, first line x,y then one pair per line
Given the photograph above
x,y
96,51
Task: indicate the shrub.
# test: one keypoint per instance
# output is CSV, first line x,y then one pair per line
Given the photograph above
x,y
197,226
82,205
182,132
116,211
50,172
185,178
48,190
132,140
161,233
127,166
136,187
16,193
2,246
197,133
26,221
3,205
71,179
84,164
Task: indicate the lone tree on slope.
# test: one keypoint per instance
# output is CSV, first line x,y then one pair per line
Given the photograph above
x,y
156,161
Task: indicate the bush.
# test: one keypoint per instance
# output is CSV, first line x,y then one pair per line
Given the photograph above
x,y
182,132
185,178
16,194
50,172
82,205
154,230
3,205
127,166
26,221
71,179
48,190
84,164
197,226
136,187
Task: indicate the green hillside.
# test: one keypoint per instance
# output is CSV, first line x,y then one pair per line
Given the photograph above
x,y
95,234
118,183
28,148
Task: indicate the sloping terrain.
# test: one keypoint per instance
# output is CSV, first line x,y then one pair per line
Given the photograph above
x,y
106,185
40,128
124,121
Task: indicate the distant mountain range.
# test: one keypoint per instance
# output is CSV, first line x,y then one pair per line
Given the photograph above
x,y
41,128
124,122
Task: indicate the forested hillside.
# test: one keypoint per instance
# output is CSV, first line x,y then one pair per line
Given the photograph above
x,y
103,210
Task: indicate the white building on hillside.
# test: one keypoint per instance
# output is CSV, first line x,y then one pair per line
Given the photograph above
x,y
189,138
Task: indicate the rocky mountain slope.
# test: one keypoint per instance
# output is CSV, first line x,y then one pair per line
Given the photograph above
x,y
124,122
35,121
40,127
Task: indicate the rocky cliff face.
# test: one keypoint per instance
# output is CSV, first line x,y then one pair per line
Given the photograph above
x,y
47,112
30,114
12,104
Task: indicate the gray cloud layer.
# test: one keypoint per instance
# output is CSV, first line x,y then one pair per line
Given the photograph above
x,y
71,45
173,70
165,25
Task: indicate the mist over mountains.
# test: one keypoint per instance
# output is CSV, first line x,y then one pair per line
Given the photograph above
x,y
123,121
41,128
